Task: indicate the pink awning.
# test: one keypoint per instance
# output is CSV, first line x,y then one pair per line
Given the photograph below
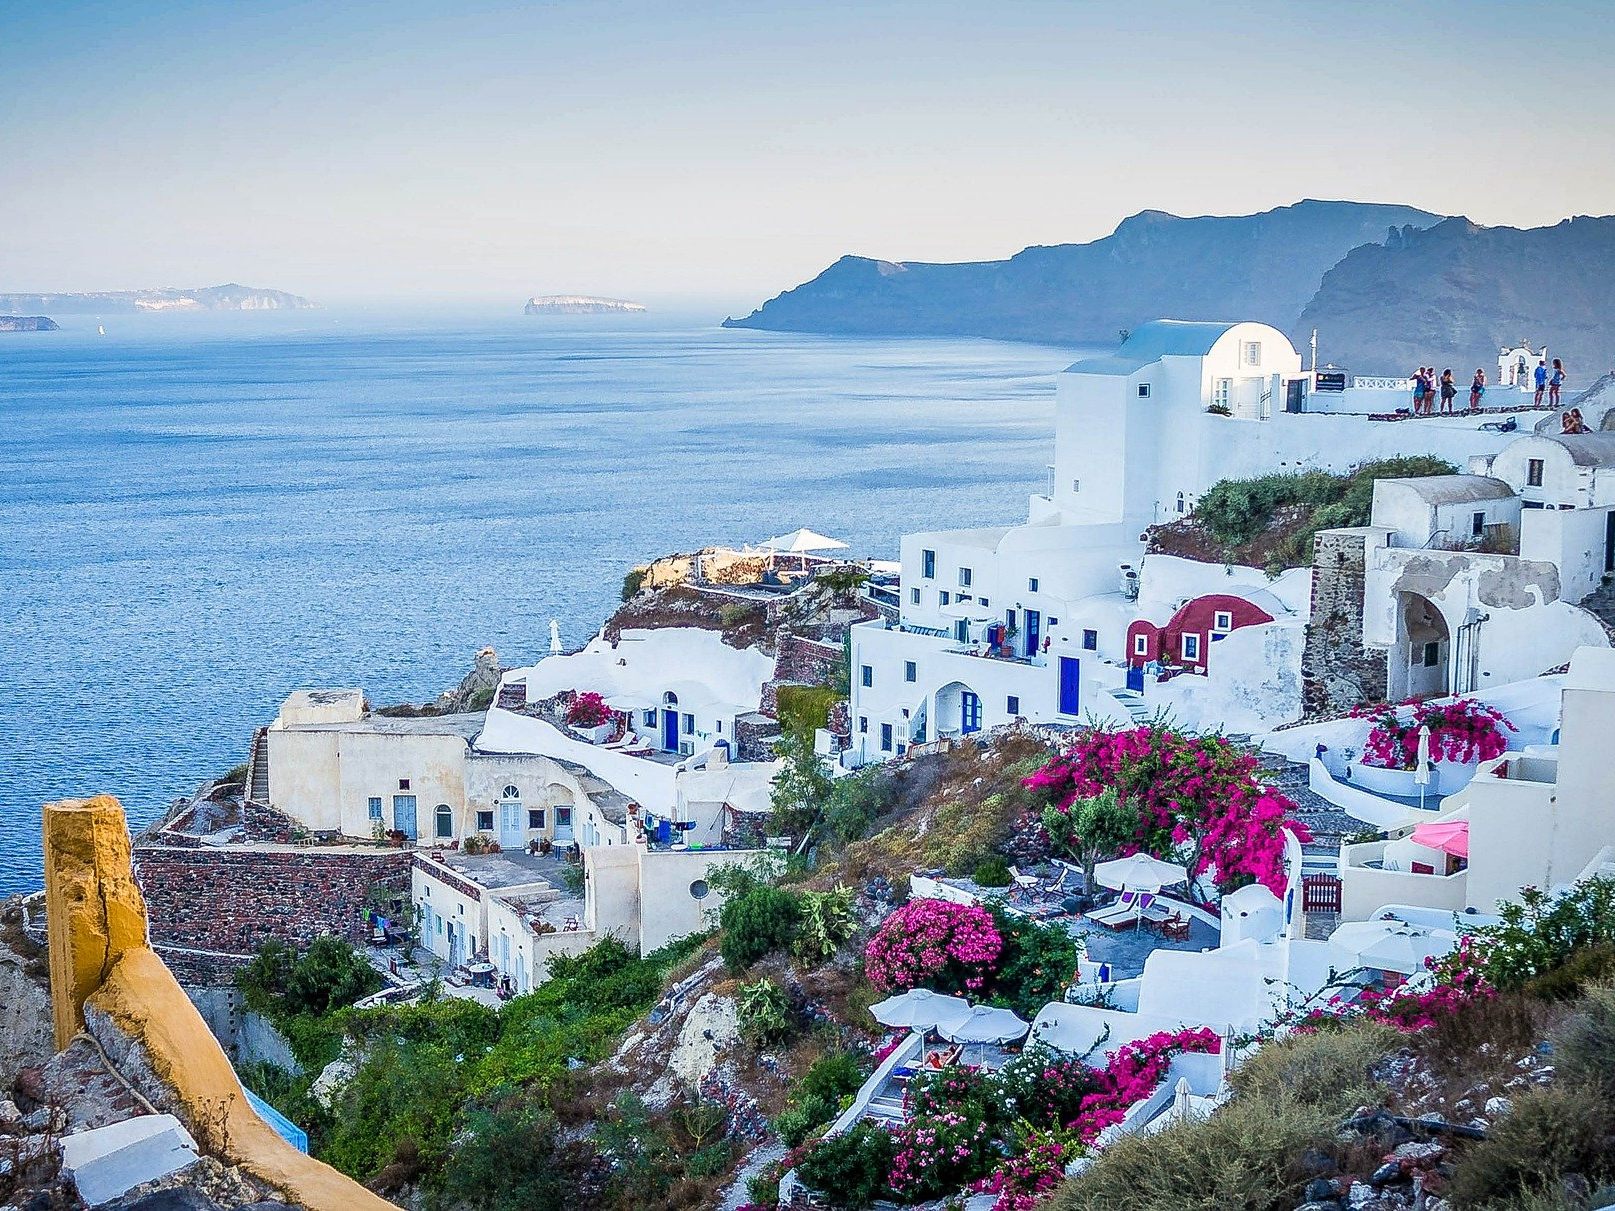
x,y
1451,837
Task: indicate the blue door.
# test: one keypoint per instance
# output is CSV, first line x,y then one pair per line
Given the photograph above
x,y
670,728
404,815
1034,625
1070,685
969,712
1135,680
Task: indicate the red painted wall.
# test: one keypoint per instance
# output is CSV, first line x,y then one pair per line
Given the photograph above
x,y
1196,617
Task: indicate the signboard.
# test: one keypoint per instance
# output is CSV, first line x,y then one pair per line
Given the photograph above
x,y
1331,380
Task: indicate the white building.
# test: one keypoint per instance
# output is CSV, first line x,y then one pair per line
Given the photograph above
x,y
1030,620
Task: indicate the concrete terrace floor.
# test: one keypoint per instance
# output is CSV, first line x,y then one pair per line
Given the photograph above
x,y
1126,949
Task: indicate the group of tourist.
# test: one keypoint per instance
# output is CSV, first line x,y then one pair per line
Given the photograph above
x,y
1428,388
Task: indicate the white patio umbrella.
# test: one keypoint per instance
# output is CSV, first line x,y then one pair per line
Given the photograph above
x,y
1141,872
800,542
969,611
919,1009
985,1024
1388,945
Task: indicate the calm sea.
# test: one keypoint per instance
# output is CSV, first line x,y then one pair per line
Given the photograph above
x,y
199,514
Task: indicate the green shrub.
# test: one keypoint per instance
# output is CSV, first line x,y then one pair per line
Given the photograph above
x,y
236,773
802,709
633,581
401,1093
1584,1044
1552,1132
827,922
801,788
1585,966
329,975
764,1011
816,1098
1328,1069
1541,931
1036,965
755,924
855,801
849,1170
511,1157
991,872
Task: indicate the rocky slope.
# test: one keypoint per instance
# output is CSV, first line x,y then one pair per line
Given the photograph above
x,y
27,323
1260,267
229,297
1456,292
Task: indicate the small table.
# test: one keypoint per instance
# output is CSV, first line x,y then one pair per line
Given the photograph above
x,y
481,974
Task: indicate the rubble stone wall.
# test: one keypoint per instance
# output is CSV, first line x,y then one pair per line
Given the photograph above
x,y
1337,671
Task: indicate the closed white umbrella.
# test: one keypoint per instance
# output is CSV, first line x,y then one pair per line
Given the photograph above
x,y
1141,872
555,635
985,1024
919,1009
1421,764
970,611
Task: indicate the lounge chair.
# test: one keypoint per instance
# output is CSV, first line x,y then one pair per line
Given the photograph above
x,y
937,1060
628,740
1124,910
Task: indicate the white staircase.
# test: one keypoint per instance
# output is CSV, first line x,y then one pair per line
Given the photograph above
x,y
1133,703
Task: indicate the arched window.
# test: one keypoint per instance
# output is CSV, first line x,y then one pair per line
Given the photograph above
x,y
510,792
670,698
445,820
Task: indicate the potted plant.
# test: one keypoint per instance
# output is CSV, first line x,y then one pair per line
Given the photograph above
x,y
590,715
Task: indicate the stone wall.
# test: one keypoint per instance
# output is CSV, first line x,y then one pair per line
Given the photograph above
x,y
1337,671
755,734
806,661
228,901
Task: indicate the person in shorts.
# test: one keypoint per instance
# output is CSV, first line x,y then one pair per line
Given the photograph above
x,y
1477,388
1555,381
1541,381
1449,391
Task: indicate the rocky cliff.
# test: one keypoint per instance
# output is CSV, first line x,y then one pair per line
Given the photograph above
x,y
27,323
1456,292
1259,267
229,297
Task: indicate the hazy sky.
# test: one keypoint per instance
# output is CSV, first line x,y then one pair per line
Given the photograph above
x,y
727,151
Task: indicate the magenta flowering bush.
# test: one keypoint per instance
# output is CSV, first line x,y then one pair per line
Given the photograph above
x,y
588,709
1194,794
940,1153
1131,1075
1462,731
1022,1179
934,944
1460,980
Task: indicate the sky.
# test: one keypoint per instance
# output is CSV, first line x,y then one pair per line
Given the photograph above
x,y
724,152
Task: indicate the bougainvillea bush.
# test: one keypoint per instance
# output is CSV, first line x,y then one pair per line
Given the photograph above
x,y
933,944
1198,799
1462,732
1458,979
588,709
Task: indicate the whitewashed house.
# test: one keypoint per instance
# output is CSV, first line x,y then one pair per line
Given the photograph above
x,y
1030,621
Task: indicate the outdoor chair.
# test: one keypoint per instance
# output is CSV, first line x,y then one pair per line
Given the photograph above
x,y
1175,928
1025,884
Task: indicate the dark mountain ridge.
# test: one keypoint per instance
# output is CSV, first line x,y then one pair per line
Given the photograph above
x,y
1262,267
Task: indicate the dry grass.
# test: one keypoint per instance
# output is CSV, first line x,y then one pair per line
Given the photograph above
x,y
1553,1133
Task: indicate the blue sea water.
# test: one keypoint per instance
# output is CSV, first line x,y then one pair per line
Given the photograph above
x,y
199,514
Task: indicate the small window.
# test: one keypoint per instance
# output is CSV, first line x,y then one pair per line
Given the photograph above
x,y
914,597
699,889
928,564
647,718
1076,485
689,725
985,602
1477,525
943,597
1250,353
1222,392
1432,654
510,792
1012,704
485,821
885,737
374,806
1533,473
911,671
1054,622
535,817
403,784
1143,391
863,723
966,578
1180,502
1031,584
866,675
445,820
1191,647
1141,645
1090,641
1222,620
563,817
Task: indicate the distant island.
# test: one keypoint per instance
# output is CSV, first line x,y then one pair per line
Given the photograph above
x,y
579,304
27,323
229,297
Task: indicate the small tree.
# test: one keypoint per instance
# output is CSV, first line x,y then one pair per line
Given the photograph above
x,y
800,789
1092,830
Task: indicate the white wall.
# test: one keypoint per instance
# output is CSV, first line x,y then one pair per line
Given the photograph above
x,y
1573,540
447,904
647,782
1252,681
324,776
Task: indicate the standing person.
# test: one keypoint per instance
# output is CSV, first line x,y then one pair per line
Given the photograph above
x,y
1477,388
1555,381
1449,391
1541,381
1418,390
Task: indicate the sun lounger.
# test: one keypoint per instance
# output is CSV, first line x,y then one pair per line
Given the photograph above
x,y
628,741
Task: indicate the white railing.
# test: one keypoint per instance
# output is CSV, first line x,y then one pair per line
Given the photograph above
x,y
1372,383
